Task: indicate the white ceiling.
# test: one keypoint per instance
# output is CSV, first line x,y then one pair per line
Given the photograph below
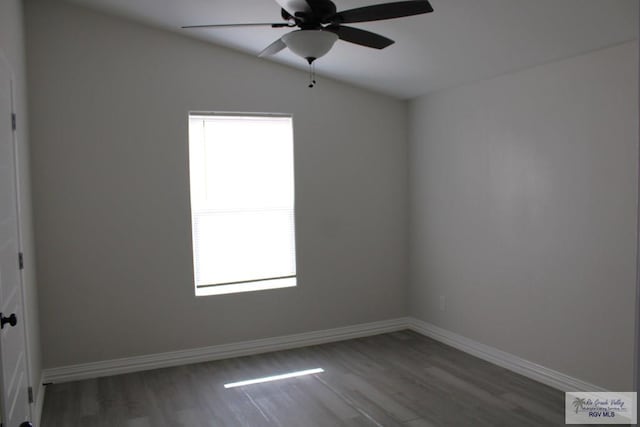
x,y
460,42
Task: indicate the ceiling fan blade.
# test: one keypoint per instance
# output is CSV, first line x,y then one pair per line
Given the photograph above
x,y
361,37
273,48
385,11
256,24
293,6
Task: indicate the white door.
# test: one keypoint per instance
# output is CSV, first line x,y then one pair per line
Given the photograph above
x,y
13,372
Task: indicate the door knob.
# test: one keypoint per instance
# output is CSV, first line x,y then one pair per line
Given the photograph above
x,y
11,320
26,424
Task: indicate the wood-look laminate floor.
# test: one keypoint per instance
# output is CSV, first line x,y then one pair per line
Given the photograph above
x,y
396,379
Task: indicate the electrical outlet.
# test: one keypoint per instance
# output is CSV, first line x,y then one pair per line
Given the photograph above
x,y
443,303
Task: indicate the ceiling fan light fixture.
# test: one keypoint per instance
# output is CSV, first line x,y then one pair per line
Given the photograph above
x,y
310,44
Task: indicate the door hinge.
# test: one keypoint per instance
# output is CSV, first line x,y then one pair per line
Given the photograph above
x,y
30,393
20,261
14,122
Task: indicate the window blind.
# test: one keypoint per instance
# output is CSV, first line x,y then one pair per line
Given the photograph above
x,y
242,199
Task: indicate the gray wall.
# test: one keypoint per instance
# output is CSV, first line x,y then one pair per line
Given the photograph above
x,y
12,46
109,103
523,192
523,213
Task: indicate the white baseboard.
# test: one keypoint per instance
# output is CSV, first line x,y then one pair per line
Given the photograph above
x,y
39,403
506,360
536,372
216,352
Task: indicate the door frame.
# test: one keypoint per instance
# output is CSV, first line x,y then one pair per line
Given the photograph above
x,y
636,359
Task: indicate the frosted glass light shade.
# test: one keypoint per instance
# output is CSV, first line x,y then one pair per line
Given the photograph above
x,y
310,44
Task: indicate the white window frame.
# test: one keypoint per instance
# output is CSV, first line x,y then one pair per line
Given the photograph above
x,y
240,285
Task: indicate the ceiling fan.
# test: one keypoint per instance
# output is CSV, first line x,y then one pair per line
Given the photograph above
x,y
321,25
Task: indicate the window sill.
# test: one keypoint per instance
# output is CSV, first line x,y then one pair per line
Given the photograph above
x,y
246,287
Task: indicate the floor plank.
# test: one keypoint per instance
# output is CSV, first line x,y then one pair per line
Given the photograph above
x,y
400,379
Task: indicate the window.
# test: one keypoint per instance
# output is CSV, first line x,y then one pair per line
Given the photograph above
x,y
242,202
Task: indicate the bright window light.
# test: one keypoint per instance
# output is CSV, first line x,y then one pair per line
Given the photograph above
x,y
275,378
242,202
